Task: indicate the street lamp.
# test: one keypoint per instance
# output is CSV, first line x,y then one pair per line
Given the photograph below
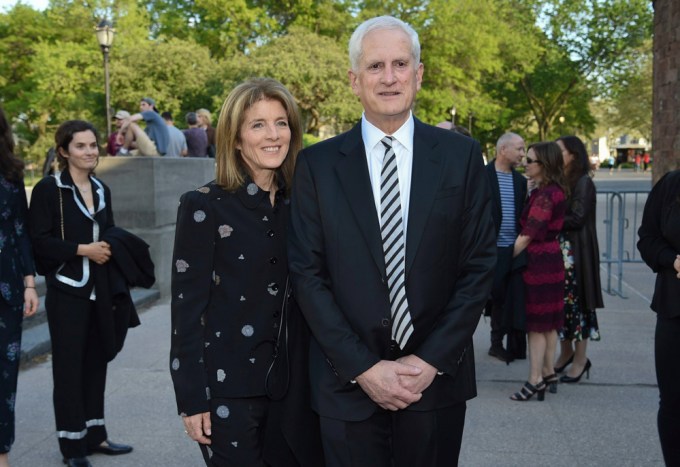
x,y
561,119
453,116
105,33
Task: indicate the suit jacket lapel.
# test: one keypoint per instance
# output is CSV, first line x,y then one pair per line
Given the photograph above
x,y
424,184
352,170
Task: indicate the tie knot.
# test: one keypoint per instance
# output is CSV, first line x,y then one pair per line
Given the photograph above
x,y
387,142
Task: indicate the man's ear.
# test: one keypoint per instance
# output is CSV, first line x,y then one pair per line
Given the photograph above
x,y
353,81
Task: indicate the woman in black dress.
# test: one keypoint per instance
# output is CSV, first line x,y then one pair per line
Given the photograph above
x,y
578,241
233,327
659,247
69,215
17,280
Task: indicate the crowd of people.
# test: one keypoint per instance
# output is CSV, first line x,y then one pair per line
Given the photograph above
x,y
160,136
324,299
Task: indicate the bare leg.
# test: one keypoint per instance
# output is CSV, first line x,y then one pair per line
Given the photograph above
x,y
580,358
549,358
4,461
566,351
537,345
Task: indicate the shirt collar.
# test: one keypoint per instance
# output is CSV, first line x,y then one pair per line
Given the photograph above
x,y
372,135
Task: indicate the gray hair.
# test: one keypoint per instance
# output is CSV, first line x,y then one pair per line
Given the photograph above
x,y
381,22
505,139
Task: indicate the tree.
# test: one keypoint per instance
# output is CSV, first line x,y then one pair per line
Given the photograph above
x,y
313,67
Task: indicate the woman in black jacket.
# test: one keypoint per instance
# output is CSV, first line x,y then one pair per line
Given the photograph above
x,y
17,279
578,240
70,212
234,330
659,247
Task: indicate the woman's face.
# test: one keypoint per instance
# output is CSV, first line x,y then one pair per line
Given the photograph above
x,y
202,120
83,151
534,169
567,157
264,137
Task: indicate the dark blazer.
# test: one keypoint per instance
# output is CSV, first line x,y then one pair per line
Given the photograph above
x,y
338,268
16,255
660,242
229,272
519,184
57,258
581,230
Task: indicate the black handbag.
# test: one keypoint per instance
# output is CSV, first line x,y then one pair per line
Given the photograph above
x,y
278,374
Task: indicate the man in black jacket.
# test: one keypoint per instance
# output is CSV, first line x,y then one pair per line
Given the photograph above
x,y
508,192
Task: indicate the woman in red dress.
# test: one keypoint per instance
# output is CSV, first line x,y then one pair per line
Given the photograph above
x,y
541,223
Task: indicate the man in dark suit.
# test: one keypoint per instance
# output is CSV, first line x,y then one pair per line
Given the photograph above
x,y
508,193
391,248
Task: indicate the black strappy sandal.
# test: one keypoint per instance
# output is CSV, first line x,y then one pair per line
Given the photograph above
x,y
551,382
528,391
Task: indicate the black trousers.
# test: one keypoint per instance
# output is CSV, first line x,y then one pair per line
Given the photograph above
x,y
242,429
396,439
79,372
10,345
498,295
667,357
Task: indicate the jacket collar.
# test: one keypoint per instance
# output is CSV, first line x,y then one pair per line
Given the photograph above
x,y
64,180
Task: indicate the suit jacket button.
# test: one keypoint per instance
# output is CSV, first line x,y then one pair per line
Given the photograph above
x,y
273,260
270,233
383,279
385,322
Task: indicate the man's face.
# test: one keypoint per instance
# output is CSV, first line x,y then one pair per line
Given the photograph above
x,y
387,79
144,106
514,151
118,122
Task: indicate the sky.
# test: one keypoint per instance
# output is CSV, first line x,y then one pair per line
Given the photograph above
x,y
37,4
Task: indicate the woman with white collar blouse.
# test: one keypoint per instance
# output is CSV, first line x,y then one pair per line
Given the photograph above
x,y
70,212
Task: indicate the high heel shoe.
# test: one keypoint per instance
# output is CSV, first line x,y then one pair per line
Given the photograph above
x,y
528,391
551,383
560,369
576,379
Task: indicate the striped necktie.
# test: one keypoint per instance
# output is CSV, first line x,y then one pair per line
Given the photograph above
x,y
392,233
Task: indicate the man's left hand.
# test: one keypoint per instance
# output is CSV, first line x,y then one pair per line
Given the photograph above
x,y
417,384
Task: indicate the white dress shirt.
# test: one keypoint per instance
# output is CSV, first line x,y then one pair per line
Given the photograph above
x,y
402,142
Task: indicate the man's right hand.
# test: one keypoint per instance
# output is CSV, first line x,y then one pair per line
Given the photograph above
x,y
381,383
198,427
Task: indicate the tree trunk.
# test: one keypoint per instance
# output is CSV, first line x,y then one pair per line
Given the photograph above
x,y
666,101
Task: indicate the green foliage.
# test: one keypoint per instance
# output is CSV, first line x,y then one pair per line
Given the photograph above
x,y
504,64
313,68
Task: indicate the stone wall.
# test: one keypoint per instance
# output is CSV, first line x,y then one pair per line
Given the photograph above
x,y
666,106
145,192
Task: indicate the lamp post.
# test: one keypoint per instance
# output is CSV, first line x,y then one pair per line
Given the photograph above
x,y
453,116
105,33
561,119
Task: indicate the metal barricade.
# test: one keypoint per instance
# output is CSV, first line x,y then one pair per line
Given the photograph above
x,y
622,216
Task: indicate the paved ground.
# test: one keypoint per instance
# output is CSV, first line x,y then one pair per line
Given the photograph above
x,y
607,420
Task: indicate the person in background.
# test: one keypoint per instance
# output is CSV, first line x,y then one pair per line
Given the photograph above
x,y
205,122
578,241
541,223
177,143
117,138
197,138
659,246
508,194
18,297
152,140
69,215
234,328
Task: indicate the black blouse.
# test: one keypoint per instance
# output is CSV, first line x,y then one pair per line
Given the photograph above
x,y
229,271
